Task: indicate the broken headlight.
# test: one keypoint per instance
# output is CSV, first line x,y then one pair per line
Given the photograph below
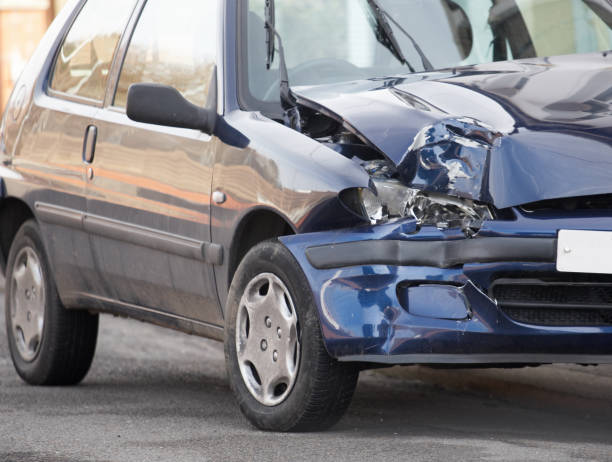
x,y
390,199
365,203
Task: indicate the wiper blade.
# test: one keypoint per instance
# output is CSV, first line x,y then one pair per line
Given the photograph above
x,y
426,63
270,23
288,99
386,36
602,8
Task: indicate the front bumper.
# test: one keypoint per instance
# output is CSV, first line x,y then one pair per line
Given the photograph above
x,y
389,294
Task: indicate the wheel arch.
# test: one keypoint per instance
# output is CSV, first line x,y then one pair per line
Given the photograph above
x,y
253,228
13,213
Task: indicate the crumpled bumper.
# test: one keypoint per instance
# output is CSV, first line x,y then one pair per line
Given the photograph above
x,y
392,294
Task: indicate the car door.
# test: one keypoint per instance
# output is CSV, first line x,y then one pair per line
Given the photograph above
x,y
148,206
57,125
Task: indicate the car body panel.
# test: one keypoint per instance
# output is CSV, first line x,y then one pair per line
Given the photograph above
x,y
368,313
53,172
37,173
159,179
506,133
269,174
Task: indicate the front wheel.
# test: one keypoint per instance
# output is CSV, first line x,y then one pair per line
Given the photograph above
x,y
279,370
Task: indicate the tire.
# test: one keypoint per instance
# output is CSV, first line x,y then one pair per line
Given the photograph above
x,y
60,351
316,389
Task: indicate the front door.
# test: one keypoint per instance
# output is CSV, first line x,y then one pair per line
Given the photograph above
x,y
148,207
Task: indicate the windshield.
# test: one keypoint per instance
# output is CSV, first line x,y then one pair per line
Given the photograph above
x,y
328,41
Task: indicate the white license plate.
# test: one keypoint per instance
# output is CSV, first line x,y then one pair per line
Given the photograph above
x,y
584,251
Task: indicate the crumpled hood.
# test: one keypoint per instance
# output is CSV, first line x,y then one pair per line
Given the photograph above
x,y
506,133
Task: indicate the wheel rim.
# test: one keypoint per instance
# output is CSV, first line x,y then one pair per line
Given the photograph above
x,y
27,303
267,339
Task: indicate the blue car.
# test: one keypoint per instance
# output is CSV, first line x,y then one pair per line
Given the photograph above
x,y
326,186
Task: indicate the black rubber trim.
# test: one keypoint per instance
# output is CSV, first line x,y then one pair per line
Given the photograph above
x,y
61,216
496,358
133,234
439,254
173,321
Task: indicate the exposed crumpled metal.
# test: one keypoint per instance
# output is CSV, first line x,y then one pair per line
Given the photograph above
x,y
450,157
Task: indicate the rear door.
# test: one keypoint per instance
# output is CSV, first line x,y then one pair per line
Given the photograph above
x,y
149,186
56,128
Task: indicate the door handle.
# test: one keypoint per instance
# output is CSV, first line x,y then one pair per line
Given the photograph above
x,y
89,144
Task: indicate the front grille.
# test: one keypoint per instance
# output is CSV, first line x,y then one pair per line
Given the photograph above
x,y
548,302
560,317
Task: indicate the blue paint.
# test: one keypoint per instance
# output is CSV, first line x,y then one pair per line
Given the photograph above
x,y
501,133
362,312
438,301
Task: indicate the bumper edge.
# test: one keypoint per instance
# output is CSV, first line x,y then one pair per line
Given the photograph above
x,y
479,359
439,254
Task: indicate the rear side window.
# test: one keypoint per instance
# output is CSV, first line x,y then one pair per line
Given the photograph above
x,y
175,43
85,58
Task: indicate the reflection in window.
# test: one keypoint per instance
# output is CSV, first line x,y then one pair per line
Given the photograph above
x,y
328,41
85,59
560,27
174,44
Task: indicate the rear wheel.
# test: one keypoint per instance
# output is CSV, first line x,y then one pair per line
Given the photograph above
x,y
49,345
279,370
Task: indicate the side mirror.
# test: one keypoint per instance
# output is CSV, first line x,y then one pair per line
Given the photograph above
x,y
155,104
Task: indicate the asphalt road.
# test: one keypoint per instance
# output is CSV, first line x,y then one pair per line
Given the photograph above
x,y
157,395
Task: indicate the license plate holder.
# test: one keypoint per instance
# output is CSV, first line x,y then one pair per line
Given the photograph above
x,y
584,251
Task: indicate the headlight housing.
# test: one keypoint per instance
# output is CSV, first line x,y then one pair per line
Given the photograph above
x,y
365,203
390,199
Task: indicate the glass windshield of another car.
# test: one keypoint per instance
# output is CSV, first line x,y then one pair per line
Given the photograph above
x,y
328,41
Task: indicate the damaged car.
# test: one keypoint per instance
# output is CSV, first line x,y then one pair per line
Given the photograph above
x,y
326,186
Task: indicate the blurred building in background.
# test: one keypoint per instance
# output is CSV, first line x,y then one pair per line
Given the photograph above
x,y
22,25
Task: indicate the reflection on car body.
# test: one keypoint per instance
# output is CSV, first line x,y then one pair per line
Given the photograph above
x,y
364,194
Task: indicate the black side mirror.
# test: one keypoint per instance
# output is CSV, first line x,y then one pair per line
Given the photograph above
x,y
163,105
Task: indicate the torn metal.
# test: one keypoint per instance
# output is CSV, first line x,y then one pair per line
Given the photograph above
x,y
451,157
472,135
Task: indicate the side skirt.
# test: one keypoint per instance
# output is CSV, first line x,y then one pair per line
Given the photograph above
x,y
141,313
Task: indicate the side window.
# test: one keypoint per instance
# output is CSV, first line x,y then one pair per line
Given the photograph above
x,y
175,43
85,58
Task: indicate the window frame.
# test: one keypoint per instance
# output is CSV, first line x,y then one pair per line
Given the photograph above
x,y
67,28
126,40
120,56
246,100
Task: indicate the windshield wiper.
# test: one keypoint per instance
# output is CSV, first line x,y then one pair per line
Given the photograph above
x,y
602,8
386,36
288,99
